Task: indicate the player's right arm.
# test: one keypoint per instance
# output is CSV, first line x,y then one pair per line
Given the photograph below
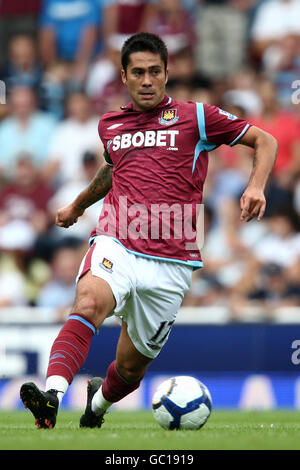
x,y
96,190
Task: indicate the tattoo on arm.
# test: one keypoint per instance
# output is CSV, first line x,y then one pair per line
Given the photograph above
x,y
98,188
255,157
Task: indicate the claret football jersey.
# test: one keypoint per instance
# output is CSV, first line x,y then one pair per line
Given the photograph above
x,y
160,160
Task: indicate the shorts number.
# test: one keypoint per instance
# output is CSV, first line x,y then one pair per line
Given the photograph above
x,y
161,334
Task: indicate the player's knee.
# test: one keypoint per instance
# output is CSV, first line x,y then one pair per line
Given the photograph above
x,y
91,307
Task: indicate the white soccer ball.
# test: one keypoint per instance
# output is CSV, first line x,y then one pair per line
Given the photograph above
x,y
181,402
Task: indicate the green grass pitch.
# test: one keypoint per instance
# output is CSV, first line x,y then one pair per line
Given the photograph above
x,y
225,430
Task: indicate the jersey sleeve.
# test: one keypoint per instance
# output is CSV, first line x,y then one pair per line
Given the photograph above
x,y
106,143
217,127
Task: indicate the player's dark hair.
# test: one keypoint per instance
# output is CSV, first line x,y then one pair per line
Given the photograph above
x,y
143,42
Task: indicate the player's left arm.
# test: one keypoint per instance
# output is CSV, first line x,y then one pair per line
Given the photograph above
x,y
253,201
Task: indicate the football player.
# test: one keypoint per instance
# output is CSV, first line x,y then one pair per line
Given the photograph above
x,y
144,248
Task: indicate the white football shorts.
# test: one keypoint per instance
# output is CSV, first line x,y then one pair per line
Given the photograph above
x,y
148,292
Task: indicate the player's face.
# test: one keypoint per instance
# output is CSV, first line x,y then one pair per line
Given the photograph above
x,y
145,79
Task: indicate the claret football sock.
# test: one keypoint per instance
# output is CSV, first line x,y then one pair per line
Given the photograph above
x,y
70,349
113,389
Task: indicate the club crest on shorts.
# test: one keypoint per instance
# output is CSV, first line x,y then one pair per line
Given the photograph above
x,y
106,264
168,116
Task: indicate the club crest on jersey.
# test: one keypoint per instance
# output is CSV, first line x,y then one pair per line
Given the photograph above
x,y
106,264
168,116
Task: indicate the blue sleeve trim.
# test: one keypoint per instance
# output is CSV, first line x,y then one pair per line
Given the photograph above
x,y
201,121
202,144
240,135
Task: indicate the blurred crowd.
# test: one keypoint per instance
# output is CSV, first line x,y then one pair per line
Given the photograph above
x,y
60,63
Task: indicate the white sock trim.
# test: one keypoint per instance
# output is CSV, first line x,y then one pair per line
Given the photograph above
x,y
59,383
99,404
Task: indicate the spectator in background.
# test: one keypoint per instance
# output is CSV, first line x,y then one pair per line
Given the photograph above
x,y
22,67
126,17
274,20
173,23
222,42
59,291
53,89
103,71
281,242
67,192
229,244
69,32
12,283
230,265
23,208
74,136
285,127
276,282
281,63
242,92
26,129
17,18
103,84
182,68
274,288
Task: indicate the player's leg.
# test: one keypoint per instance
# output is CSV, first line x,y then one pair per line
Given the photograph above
x,y
104,282
94,301
123,376
130,363
148,316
